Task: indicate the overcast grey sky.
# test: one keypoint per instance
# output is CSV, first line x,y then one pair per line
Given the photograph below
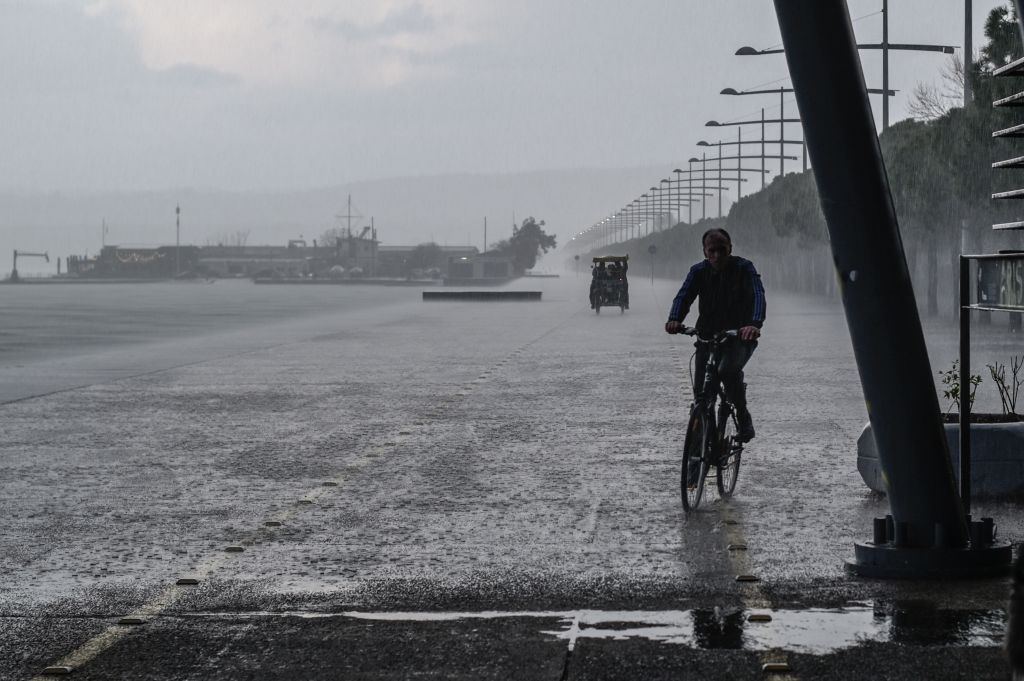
x,y
114,111
268,94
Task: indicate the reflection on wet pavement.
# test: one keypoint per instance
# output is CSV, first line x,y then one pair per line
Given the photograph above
x,y
815,631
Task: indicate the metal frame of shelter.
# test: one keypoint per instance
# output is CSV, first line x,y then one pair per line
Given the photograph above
x,y
1007,298
927,533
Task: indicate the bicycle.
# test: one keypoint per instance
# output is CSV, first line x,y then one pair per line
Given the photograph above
x,y
711,439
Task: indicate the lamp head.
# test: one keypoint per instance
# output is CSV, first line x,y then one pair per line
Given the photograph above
x,y
729,91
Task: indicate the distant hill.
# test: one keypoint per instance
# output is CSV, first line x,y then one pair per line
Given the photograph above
x,y
448,209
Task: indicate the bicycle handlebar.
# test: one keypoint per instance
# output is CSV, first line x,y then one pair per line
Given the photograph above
x,y
718,337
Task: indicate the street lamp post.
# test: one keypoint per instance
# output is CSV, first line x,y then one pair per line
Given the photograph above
x,y
781,142
177,240
969,51
679,193
654,206
647,211
668,202
885,46
739,159
719,178
689,186
703,181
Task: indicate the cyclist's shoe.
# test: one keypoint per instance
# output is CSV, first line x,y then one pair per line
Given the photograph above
x,y
746,426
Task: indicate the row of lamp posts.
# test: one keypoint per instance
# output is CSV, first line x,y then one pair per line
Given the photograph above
x,y
646,213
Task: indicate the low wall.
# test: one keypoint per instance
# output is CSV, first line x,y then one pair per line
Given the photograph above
x,y
481,295
997,458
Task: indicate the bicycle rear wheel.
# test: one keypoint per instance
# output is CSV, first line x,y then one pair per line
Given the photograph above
x,y
729,451
695,460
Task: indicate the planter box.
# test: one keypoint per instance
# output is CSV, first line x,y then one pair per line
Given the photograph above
x,y
997,458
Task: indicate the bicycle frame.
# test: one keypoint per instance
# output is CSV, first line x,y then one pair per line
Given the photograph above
x,y
701,398
717,450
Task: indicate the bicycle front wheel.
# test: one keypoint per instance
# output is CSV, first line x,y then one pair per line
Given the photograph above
x,y
729,451
695,460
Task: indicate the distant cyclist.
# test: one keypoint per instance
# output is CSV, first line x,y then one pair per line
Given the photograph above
x,y
731,297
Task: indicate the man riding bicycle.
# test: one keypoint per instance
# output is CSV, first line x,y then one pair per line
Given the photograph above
x,y
731,297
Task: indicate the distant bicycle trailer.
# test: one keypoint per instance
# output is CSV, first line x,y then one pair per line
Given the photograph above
x,y
609,286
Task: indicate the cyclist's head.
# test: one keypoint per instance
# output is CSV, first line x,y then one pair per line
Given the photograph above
x,y
717,247
720,232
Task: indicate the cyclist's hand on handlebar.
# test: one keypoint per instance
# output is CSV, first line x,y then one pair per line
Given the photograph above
x,y
673,327
750,333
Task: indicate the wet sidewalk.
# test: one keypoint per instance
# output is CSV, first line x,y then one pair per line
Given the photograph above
x,y
444,460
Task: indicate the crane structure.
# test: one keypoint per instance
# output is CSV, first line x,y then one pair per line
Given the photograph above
x,y
24,254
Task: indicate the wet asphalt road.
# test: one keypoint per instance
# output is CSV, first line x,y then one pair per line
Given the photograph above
x,y
364,485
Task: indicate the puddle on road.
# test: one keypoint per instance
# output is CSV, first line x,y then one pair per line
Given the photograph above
x,y
815,631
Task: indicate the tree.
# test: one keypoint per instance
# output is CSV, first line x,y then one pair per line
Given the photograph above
x,y
930,101
330,237
527,242
1003,38
424,257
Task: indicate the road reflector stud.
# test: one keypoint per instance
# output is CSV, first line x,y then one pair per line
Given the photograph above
x,y
273,523
747,578
128,621
775,667
330,483
58,670
187,581
730,521
760,617
305,501
234,549
737,547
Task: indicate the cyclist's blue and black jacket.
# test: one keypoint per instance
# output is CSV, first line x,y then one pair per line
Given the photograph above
x,y
729,299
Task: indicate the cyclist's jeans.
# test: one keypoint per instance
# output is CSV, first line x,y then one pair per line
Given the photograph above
x,y
734,355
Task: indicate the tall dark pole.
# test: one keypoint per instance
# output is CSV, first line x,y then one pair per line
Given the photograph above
x,y
679,194
654,208
667,209
719,178
885,65
689,186
739,163
177,240
968,52
782,132
657,208
881,312
965,381
662,203
763,171
645,212
703,183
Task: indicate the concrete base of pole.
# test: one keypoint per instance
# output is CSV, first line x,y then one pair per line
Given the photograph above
x,y
888,556
889,562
